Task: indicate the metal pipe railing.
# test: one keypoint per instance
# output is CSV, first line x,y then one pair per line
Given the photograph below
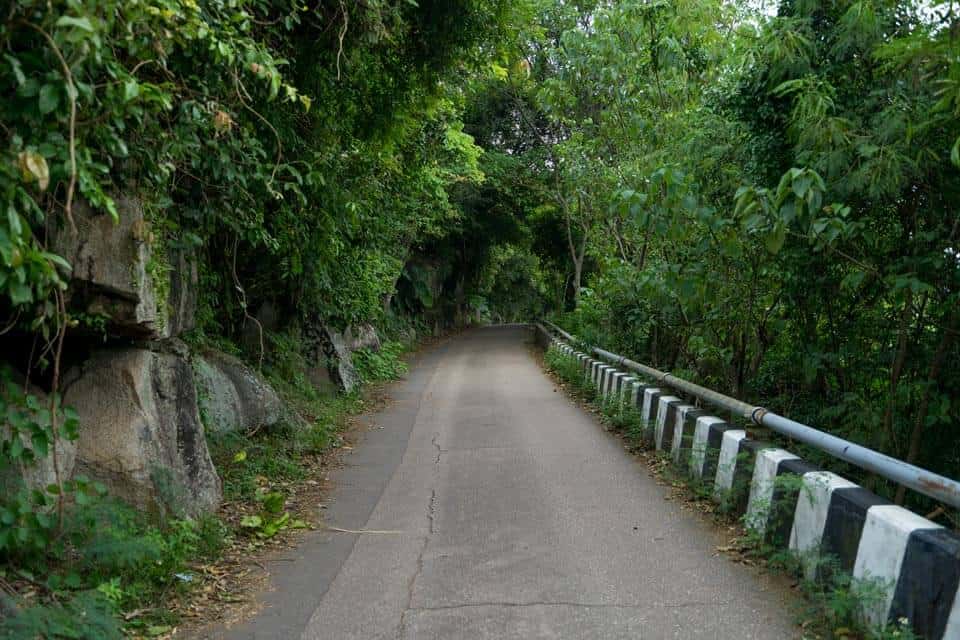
x,y
903,473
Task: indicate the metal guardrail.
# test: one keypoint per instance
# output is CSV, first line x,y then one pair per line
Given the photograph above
x,y
911,476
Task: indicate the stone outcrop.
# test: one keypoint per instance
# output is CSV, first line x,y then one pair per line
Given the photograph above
x,y
232,396
362,336
145,408
144,292
329,354
339,359
141,433
181,303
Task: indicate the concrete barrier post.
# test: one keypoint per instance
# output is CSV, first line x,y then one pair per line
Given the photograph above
x,y
605,381
648,414
613,383
760,502
626,390
636,394
617,383
666,414
810,517
701,442
727,462
883,546
683,432
604,372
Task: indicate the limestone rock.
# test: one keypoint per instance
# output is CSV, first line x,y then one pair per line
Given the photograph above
x,y
329,358
140,430
339,360
232,396
363,336
181,304
117,273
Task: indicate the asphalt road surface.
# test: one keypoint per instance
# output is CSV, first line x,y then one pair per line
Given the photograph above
x,y
493,507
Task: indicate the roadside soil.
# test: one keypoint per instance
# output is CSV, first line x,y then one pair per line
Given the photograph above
x,y
229,590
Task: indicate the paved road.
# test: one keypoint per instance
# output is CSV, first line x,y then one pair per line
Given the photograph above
x,y
498,509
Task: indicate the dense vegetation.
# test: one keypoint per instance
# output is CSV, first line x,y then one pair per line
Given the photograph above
x,y
763,203
762,199
305,153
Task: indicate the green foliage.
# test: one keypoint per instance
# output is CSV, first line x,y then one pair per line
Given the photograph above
x,y
760,203
834,600
301,162
272,517
109,558
385,363
85,615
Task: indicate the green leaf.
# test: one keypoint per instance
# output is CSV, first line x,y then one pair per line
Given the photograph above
x,y
43,520
251,522
853,280
49,98
77,23
55,259
7,517
955,153
801,184
19,293
16,67
774,240
41,444
273,502
16,448
131,89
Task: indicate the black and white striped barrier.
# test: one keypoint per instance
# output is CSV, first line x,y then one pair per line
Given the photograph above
x,y
909,564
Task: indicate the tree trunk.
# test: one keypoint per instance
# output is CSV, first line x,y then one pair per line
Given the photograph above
x,y
577,273
916,435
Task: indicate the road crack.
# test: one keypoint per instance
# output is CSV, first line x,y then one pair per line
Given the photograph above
x,y
440,451
411,584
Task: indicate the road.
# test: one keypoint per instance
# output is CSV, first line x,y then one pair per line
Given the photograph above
x,y
494,507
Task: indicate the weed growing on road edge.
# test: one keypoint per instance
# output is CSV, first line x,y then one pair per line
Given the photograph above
x,y
385,364
111,559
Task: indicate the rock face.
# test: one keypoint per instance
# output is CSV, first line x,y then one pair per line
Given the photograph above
x,y
339,359
232,396
363,336
330,354
144,293
181,303
140,430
